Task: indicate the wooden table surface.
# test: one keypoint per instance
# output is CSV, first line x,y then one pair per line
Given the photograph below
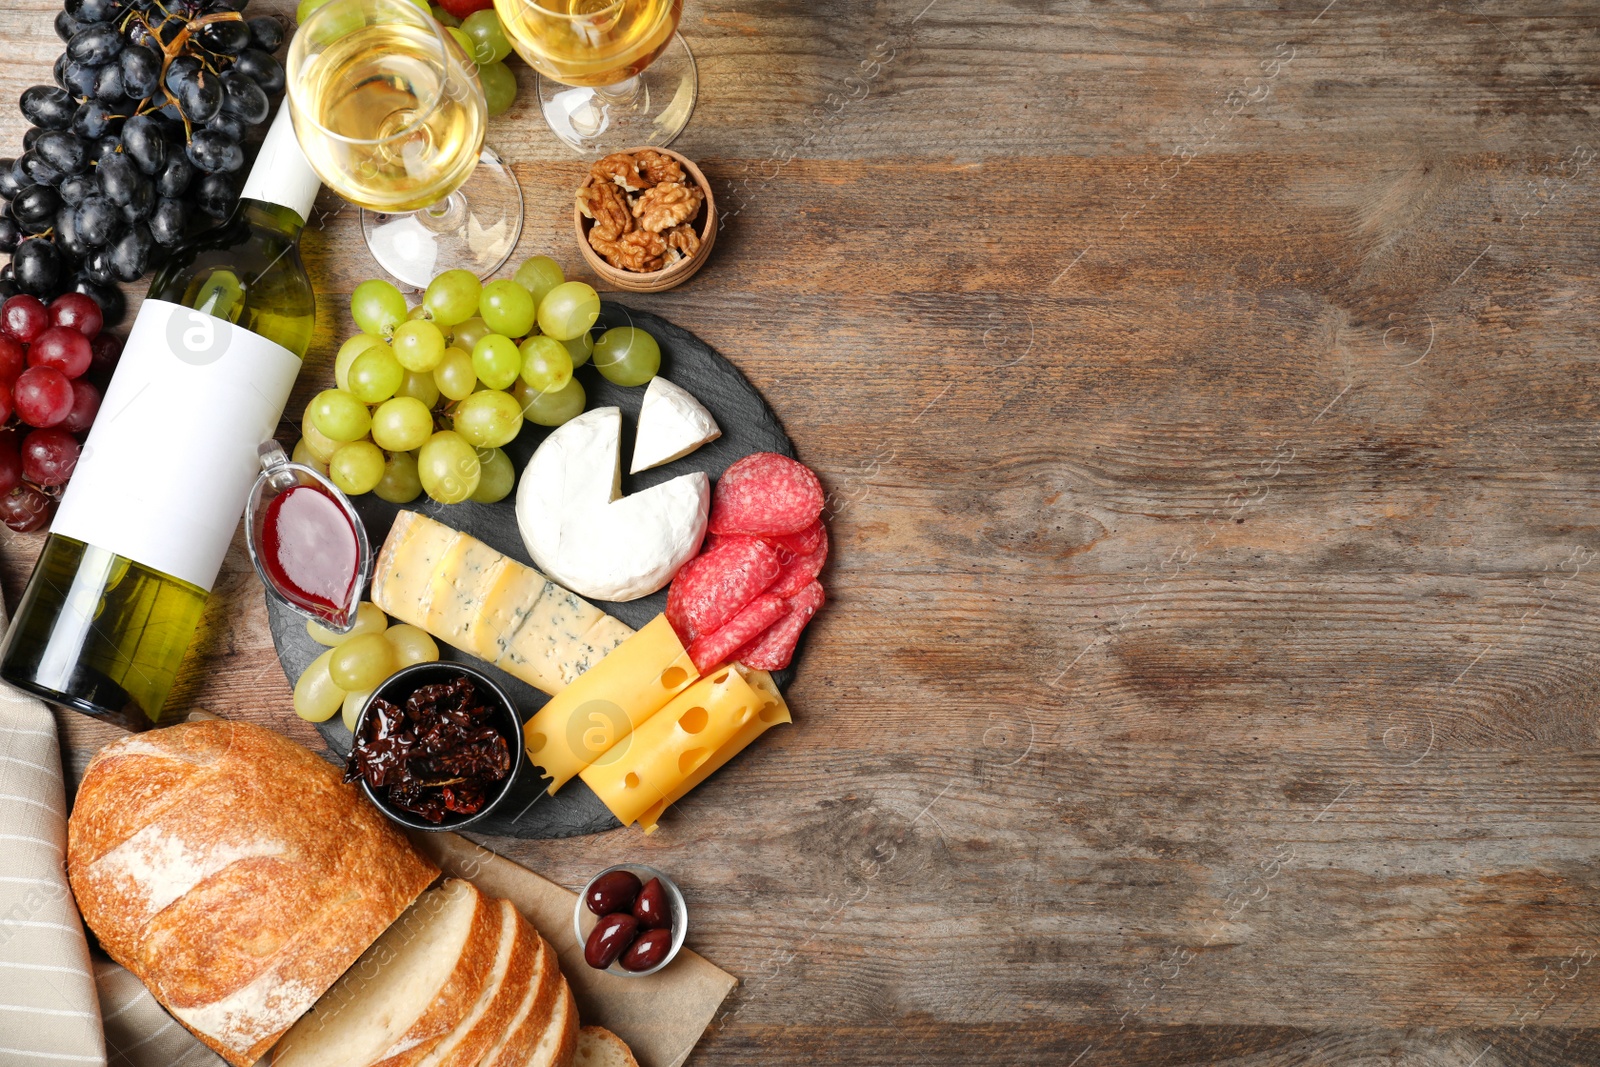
x,y
1207,397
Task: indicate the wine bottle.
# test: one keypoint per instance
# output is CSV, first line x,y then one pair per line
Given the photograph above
x,y
138,540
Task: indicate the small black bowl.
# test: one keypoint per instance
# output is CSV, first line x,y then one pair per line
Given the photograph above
x,y
407,680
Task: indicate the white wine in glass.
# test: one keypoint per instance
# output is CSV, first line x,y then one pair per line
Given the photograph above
x,y
613,74
389,112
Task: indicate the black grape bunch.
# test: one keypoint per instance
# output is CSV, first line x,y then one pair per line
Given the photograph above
x,y
139,142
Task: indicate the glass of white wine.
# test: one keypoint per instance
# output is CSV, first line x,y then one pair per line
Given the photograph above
x,y
613,74
390,114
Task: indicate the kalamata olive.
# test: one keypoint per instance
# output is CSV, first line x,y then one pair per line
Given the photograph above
x,y
613,892
650,949
652,909
610,936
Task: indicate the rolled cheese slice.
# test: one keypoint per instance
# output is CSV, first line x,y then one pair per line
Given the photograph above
x,y
610,701
638,774
773,712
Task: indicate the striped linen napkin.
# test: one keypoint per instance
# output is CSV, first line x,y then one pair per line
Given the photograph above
x,y
139,1032
52,991
49,1012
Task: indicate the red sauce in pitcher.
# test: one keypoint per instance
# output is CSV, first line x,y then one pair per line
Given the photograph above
x,y
310,550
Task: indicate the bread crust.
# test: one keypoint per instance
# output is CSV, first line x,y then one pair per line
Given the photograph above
x,y
235,874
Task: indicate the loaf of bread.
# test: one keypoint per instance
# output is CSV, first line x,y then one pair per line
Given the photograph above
x,y
462,980
235,874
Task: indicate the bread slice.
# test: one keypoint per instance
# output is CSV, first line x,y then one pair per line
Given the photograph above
x,y
532,1015
405,992
513,968
599,1047
560,1038
455,1001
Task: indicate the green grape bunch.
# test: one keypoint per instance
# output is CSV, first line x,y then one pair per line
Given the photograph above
x,y
426,398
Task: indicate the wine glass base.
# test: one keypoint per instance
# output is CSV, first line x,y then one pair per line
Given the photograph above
x,y
475,228
652,108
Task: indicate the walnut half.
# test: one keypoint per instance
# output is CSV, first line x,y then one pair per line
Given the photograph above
x,y
636,250
666,205
657,167
620,169
605,204
682,242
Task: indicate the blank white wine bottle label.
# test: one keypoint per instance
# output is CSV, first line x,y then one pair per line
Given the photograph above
x,y
172,454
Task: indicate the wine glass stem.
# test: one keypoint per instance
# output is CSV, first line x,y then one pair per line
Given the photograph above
x,y
622,94
447,214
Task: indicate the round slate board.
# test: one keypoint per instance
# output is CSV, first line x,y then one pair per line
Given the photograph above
x,y
748,425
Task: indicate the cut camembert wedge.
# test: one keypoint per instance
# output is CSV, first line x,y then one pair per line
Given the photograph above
x,y
671,425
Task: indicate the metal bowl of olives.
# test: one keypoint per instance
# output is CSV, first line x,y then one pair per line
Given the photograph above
x,y
630,920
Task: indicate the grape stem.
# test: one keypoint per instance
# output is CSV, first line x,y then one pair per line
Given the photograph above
x,y
172,49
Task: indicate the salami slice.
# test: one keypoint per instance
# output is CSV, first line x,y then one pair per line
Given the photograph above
x,y
766,495
715,649
805,542
711,588
800,571
773,650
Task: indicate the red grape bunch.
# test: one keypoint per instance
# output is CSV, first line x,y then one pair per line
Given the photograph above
x,y
54,363
146,122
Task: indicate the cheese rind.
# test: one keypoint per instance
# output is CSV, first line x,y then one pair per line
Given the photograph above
x,y
615,697
651,767
489,605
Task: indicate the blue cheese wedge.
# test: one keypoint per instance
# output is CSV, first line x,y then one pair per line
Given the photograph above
x,y
671,425
489,605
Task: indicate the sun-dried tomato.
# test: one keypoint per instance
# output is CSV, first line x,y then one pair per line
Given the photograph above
x,y
439,754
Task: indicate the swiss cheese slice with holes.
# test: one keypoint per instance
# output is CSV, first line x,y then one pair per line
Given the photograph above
x,y
773,712
675,743
608,702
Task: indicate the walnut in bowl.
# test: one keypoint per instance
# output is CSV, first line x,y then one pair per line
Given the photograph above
x,y
645,219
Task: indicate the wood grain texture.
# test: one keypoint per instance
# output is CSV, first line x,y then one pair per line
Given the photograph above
x,y
1206,395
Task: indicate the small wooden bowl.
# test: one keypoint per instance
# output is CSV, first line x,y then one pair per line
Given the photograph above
x,y
660,280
